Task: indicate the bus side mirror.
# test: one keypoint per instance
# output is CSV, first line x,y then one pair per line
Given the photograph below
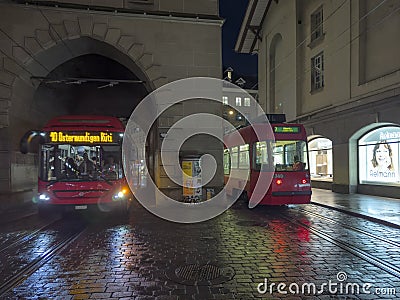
x,y
26,140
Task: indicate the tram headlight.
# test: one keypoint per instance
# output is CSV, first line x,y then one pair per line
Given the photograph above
x,y
44,197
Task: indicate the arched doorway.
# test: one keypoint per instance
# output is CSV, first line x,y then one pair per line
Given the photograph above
x,y
321,159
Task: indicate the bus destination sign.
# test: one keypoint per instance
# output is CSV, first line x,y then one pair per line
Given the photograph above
x,y
81,137
286,129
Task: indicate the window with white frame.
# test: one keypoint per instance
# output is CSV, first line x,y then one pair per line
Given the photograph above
x,y
316,24
225,100
238,101
317,71
246,102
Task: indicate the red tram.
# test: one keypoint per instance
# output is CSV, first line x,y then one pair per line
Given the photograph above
x,y
80,164
282,156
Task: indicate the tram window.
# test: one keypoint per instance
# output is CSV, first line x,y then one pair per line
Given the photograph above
x,y
278,154
227,162
261,156
234,157
244,157
290,152
287,153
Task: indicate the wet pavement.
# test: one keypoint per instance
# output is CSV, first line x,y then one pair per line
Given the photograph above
x,y
269,253
376,208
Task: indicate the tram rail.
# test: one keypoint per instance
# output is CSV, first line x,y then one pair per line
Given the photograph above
x,y
26,237
333,221
29,268
353,249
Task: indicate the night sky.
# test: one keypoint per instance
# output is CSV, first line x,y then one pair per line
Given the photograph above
x,y
233,12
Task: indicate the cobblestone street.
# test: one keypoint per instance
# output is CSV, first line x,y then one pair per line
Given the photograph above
x,y
228,257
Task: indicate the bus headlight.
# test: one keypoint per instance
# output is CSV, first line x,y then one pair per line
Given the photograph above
x,y
44,197
120,194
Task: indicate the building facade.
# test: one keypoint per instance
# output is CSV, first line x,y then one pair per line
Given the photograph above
x,y
334,66
154,41
234,98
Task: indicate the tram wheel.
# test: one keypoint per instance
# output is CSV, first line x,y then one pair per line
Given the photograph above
x,y
244,199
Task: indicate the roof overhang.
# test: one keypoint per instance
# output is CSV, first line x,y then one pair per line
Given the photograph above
x,y
252,23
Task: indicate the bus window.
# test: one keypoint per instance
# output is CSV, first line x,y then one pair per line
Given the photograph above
x,y
244,157
227,162
46,168
61,162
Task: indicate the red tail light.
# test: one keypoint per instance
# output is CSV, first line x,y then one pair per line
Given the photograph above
x,y
304,181
279,181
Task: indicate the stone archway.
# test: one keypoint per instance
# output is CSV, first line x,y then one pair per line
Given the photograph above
x,y
36,56
43,51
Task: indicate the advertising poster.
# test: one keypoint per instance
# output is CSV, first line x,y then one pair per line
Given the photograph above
x,y
192,186
379,156
187,178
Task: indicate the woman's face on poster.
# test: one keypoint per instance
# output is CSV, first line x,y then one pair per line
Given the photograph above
x,y
382,156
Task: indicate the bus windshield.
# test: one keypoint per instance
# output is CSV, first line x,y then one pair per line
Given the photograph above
x,y
66,162
288,155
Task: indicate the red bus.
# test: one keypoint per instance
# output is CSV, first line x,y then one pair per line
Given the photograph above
x,y
282,155
80,164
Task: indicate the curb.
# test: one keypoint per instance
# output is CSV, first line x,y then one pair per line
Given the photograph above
x,y
15,203
357,214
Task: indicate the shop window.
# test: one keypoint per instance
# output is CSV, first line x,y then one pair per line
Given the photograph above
x,y
378,156
225,100
320,153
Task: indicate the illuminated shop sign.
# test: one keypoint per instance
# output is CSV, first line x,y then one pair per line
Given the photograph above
x,y
389,135
81,137
379,156
286,129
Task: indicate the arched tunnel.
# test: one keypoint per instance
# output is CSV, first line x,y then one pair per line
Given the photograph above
x,y
89,84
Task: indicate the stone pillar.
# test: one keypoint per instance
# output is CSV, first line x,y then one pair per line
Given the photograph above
x,y
5,166
341,164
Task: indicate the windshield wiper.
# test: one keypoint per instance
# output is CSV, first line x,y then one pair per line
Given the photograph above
x,y
106,180
100,176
